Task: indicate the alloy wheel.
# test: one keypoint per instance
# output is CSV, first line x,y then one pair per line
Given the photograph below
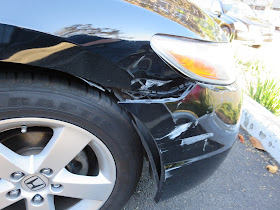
x,y
44,161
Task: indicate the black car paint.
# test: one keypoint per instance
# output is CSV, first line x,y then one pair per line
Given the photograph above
x,y
187,128
193,133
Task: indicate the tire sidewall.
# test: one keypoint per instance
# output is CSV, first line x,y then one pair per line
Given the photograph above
x,y
95,116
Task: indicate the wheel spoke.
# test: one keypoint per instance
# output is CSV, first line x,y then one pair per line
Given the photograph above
x,y
84,204
11,162
84,187
47,204
5,187
65,144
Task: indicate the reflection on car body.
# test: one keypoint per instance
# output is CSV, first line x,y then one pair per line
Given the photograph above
x,y
238,21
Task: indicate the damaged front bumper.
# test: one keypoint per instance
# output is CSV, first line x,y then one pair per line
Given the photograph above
x,y
187,137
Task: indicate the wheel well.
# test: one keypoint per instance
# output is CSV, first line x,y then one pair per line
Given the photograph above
x,y
15,67
33,69
27,68
224,25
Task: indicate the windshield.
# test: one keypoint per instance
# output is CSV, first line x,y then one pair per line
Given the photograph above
x,y
238,8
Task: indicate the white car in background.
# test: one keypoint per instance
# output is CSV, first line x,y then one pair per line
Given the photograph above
x,y
273,16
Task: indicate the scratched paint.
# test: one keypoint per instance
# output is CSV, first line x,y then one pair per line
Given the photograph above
x,y
205,144
177,131
150,83
194,139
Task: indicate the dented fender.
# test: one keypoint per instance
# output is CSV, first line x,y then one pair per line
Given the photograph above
x,y
192,134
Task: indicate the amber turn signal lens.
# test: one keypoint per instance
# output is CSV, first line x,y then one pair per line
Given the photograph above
x,y
196,66
204,61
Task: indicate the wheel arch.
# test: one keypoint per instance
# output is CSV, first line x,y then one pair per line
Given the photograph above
x,y
25,49
42,50
231,30
147,141
226,25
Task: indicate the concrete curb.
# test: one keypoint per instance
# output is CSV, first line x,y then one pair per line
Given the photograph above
x,y
263,125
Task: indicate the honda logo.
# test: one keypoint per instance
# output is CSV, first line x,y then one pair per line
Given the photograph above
x,y
35,183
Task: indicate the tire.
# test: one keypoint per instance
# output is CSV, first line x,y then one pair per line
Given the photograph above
x,y
55,118
226,30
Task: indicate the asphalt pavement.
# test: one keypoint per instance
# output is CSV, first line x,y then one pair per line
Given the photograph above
x,y
241,182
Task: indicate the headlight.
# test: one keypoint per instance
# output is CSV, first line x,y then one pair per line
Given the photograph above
x,y
204,61
240,26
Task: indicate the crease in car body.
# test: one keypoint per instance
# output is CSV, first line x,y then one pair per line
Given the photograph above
x,y
187,127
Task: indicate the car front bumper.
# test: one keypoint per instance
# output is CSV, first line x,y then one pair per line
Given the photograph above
x,y
192,134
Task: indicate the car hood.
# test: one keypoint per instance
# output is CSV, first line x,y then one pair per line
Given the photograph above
x,y
251,20
184,13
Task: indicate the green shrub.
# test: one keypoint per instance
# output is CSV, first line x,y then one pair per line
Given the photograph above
x,y
259,85
267,93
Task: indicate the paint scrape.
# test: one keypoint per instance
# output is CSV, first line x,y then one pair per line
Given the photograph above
x,y
205,144
150,83
194,139
178,130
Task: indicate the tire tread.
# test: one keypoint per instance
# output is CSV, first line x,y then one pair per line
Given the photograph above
x,y
10,79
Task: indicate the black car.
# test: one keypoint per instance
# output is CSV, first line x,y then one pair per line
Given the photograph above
x,y
238,21
88,88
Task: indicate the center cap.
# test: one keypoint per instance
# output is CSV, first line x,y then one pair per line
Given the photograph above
x,y
35,182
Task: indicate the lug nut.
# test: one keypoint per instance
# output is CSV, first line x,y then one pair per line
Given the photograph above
x,y
14,193
56,185
23,129
56,188
17,175
46,171
37,199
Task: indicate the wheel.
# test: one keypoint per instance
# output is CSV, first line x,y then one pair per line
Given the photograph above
x,y
64,145
226,30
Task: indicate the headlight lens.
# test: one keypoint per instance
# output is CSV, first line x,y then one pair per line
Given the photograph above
x,y
240,26
204,61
